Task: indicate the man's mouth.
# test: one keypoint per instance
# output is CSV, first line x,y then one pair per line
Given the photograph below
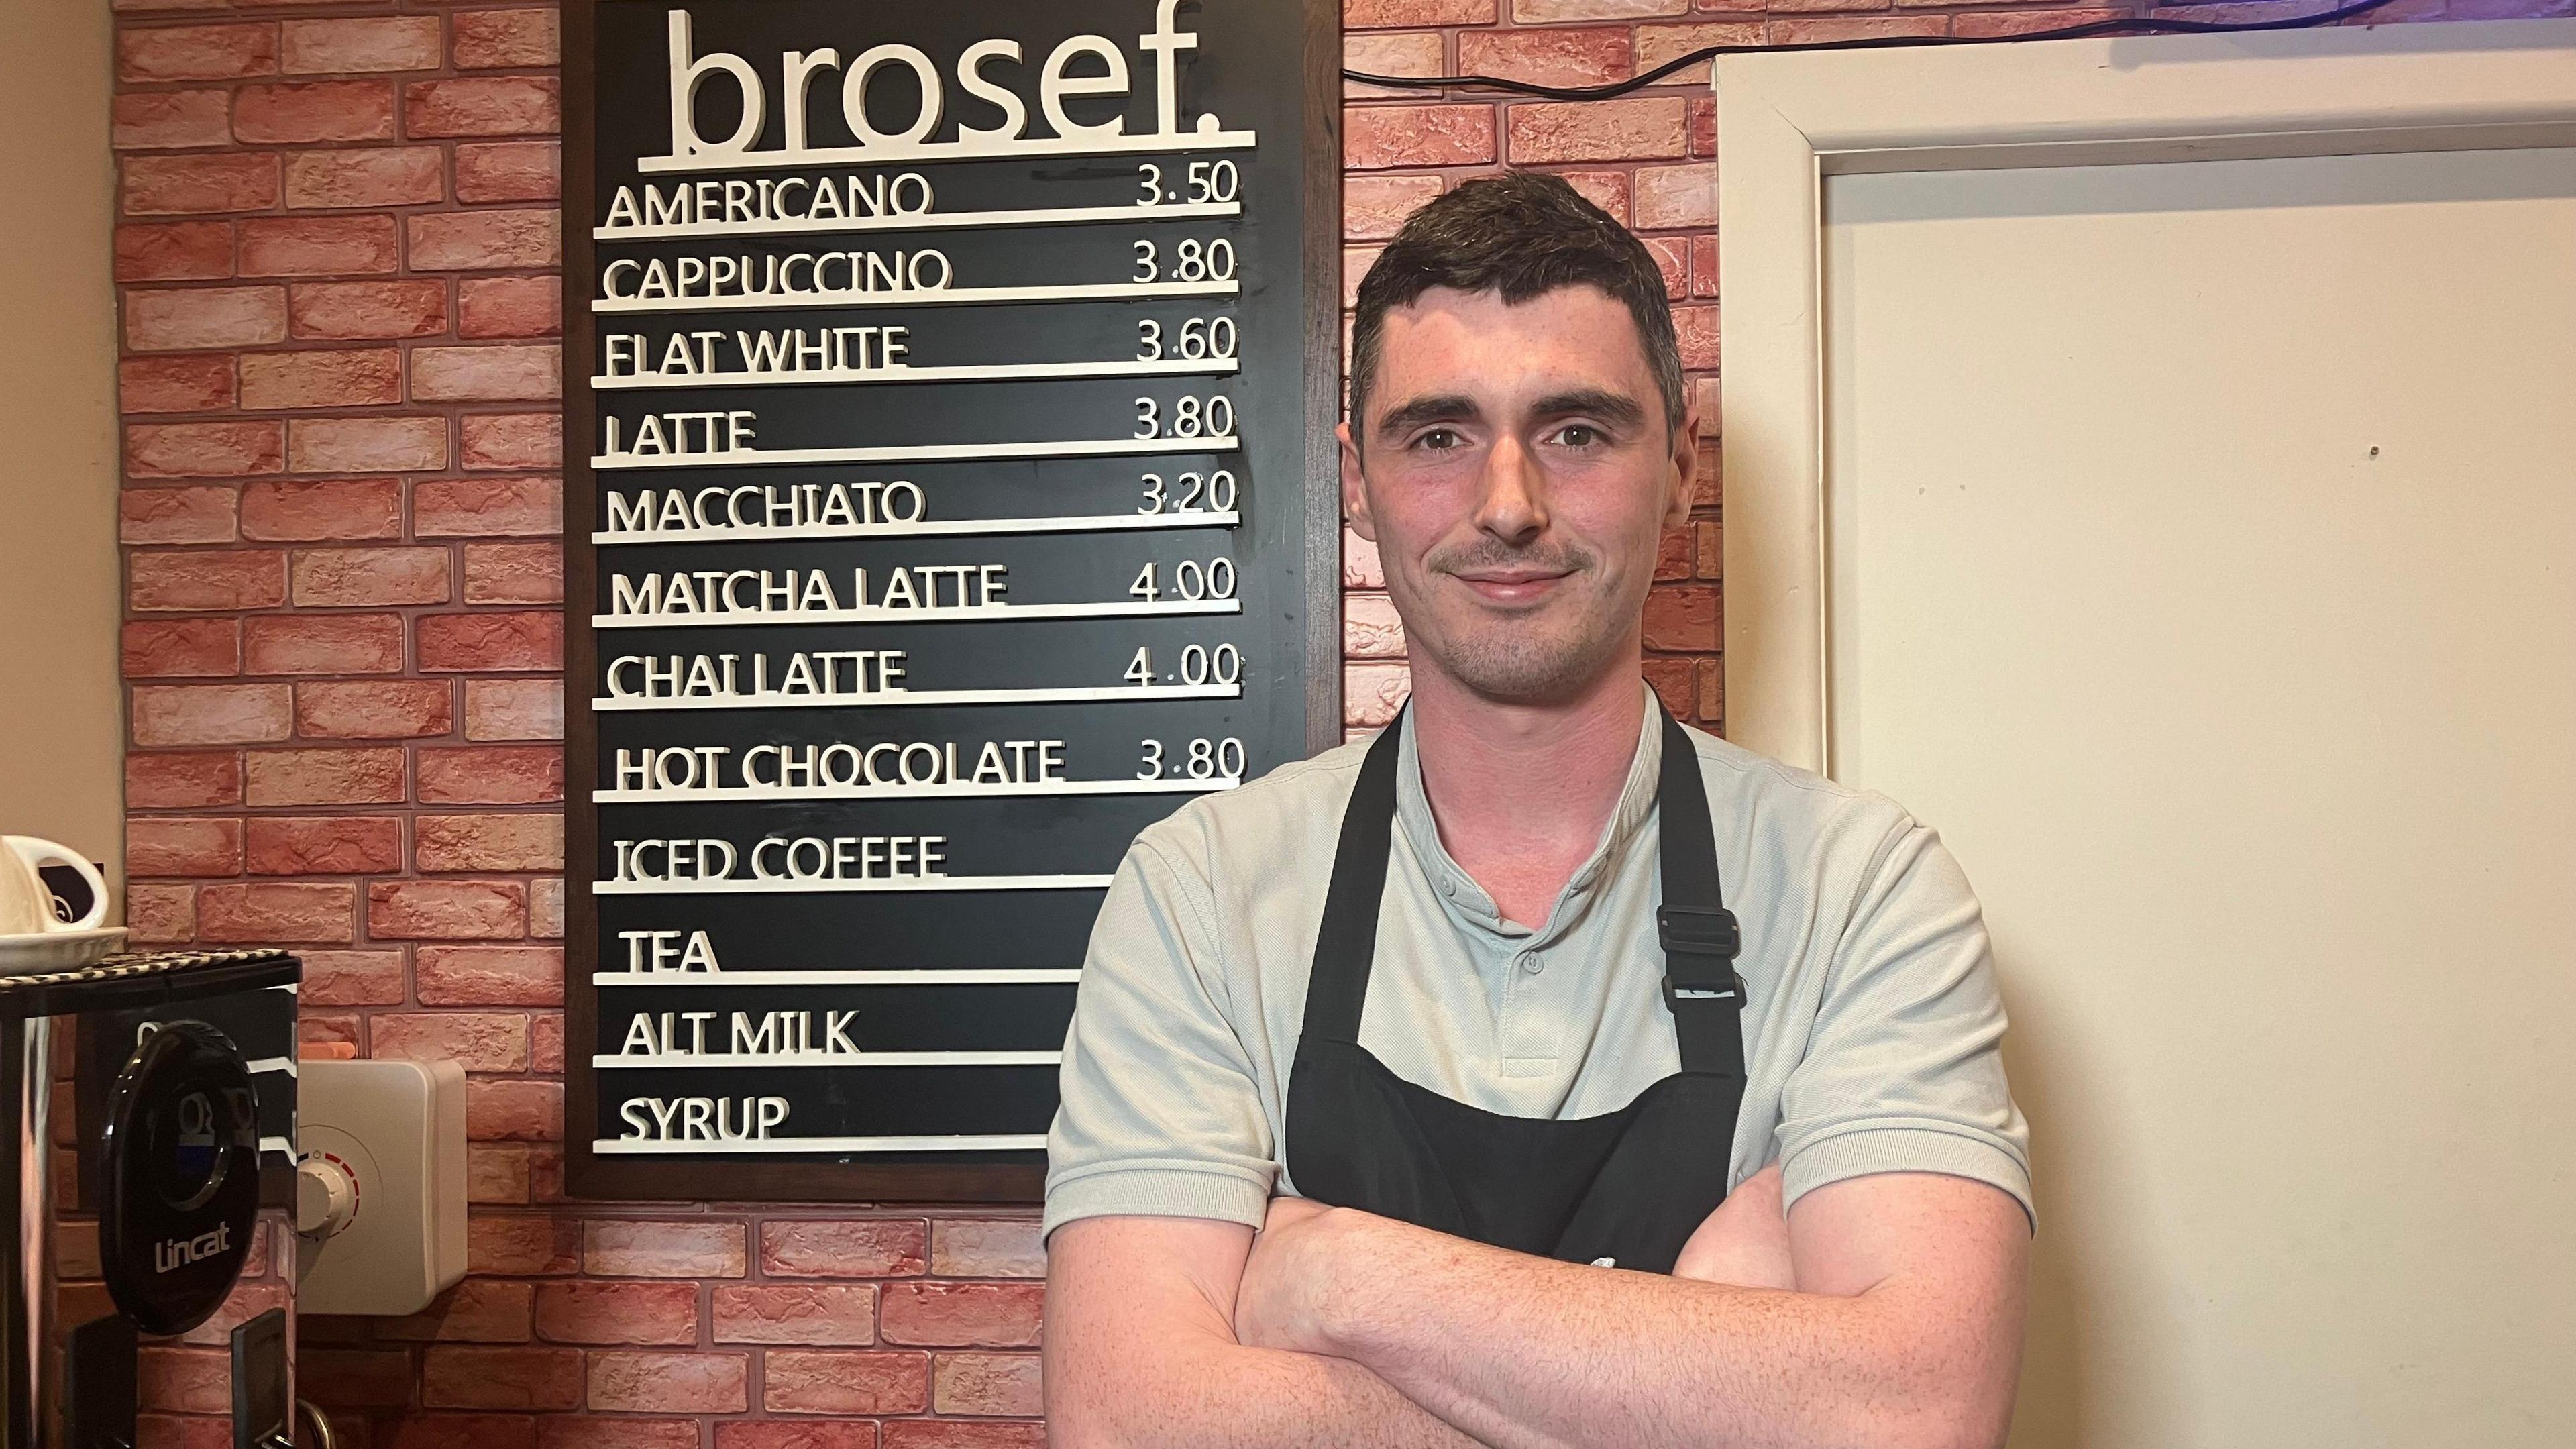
x,y
1512,586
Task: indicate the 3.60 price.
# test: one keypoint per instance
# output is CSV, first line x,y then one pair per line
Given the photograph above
x,y
1199,665
1193,260
1205,181
1192,417
1202,759
1199,337
1191,493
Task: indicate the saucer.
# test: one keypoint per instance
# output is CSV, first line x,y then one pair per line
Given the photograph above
x,y
57,950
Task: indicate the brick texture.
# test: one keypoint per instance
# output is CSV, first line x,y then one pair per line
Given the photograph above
x,y
336,254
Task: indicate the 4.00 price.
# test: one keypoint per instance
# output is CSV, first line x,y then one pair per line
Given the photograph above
x,y
1199,665
1206,760
1190,579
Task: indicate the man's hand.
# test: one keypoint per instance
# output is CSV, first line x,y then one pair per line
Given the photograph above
x,y
1287,1280
1745,1241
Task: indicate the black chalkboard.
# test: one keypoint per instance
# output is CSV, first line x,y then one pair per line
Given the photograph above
x,y
949,495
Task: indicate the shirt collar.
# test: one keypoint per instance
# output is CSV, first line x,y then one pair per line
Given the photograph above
x,y
1619,837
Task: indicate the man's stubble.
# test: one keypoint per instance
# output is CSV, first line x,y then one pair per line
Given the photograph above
x,y
1547,654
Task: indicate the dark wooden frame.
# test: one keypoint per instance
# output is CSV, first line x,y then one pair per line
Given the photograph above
x,y
588,1175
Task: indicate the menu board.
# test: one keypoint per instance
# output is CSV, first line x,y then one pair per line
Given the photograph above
x,y
950,495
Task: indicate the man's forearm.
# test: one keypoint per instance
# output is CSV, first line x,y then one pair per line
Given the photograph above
x,y
1526,1352
1141,1353
1223,1396
1585,1355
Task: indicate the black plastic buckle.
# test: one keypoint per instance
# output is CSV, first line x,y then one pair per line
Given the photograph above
x,y
1698,931
1700,947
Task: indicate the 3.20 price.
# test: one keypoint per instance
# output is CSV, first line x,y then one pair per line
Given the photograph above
x,y
1192,417
1202,759
1191,492
1199,665
1193,260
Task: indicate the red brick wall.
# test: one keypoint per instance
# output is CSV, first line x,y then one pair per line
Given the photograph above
x,y
338,309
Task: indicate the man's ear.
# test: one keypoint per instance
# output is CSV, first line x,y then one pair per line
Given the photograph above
x,y
1685,473
1355,507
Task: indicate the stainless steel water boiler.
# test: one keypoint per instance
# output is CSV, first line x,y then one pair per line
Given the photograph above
x,y
176,1149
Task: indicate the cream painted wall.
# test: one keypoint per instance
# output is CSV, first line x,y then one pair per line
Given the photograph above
x,y
62,725
2201,551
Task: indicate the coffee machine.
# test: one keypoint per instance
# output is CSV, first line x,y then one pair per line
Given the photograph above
x,y
150,1263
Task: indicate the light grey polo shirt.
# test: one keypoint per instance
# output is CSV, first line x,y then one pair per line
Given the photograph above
x,y
1871,1033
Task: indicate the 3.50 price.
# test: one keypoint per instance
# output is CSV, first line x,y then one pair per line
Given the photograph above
x,y
1199,665
1199,337
1191,493
1192,417
1204,759
1193,260
1205,181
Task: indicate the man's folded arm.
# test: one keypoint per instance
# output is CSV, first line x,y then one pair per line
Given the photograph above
x,y
1905,1333
1907,1184
1158,1165
1141,1353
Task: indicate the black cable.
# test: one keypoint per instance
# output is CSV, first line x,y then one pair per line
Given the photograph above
x,y
1613,89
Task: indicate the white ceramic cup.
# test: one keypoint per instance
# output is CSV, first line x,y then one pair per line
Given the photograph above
x,y
27,907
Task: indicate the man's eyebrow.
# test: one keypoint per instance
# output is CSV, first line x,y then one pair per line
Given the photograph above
x,y
1610,407
1434,408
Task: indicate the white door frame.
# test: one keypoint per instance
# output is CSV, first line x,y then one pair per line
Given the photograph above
x,y
1788,120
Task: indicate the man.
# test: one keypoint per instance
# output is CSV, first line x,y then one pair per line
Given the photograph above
x,y
1407,1084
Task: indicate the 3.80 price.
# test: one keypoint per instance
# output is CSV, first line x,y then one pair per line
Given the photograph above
x,y
1199,337
1192,417
1202,759
1193,260
1191,492
1199,665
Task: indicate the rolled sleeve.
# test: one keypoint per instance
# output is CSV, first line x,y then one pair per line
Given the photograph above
x,y
1159,1112
1904,1071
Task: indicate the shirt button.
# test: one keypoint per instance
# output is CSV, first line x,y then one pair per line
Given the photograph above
x,y
1531,963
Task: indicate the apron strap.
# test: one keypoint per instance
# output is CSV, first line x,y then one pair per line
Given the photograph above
x,y
1346,945
1697,931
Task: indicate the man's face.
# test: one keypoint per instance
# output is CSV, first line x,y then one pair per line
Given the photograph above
x,y
1515,472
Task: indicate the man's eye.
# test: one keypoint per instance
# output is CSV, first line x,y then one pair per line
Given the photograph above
x,y
1438,439
1578,435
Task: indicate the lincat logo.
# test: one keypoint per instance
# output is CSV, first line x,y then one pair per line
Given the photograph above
x,y
178,1252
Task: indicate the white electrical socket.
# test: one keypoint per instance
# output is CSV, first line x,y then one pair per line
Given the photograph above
x,y
380,1193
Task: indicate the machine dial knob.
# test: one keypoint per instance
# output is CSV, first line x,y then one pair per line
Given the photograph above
x,y
326,1195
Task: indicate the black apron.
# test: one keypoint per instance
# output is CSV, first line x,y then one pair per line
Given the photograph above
x,y
1628,1185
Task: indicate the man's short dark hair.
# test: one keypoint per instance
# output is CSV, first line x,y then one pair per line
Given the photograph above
x,y
1521,234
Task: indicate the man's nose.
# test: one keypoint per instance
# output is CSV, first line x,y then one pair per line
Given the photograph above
x,y
1514,506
